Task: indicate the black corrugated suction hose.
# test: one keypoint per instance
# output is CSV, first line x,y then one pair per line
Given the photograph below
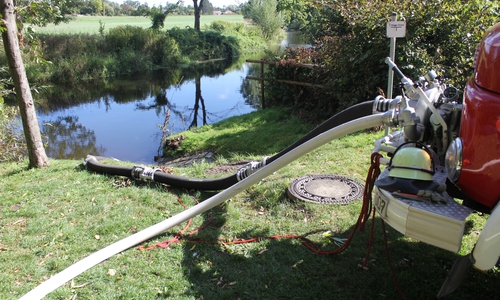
x,y
354,112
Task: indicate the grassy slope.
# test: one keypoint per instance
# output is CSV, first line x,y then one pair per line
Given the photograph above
x,y
90,24
53,217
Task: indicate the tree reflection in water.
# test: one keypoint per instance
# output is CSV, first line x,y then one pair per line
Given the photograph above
x,y
66,138
127,118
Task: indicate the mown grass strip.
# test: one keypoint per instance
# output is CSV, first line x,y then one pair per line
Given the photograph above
x,y
91,25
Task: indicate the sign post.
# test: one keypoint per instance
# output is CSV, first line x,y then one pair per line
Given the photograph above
x,y
395,29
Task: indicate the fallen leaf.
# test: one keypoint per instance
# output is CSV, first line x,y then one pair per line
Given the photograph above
x,y
262,251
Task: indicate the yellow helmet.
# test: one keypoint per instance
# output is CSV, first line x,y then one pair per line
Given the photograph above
x,y
412,163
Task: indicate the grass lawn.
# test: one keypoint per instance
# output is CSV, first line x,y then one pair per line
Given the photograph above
x,y
50,218
91,25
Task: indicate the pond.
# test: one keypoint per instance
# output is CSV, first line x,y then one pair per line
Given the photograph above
x,y
127,118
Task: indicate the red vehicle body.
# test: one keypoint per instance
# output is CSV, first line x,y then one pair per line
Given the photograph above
x,y
480,125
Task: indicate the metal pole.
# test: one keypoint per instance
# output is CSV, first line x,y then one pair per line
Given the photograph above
x,y
392,54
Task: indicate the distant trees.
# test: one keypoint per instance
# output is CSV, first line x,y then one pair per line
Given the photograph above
x,y
158,15
208,8
265,14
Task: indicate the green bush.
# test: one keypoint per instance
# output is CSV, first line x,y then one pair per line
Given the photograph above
x,y
57,47
129,37
125,49
204,45
441,35
246,38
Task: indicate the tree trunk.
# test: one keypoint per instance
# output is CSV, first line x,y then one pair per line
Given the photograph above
x,y
197,13
36,152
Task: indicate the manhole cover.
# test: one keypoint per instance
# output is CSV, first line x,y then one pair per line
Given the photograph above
x,y
325,189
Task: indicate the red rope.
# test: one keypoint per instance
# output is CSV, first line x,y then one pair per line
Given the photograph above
x,y
366,208
394,277
178,237
373,173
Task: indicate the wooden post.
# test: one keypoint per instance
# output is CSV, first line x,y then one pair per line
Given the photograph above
x,y
294,82
262,83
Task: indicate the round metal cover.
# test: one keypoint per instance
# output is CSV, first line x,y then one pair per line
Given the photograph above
x,y
325,189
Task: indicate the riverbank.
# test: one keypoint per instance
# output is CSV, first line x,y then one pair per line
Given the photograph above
x,y
125,48
55,216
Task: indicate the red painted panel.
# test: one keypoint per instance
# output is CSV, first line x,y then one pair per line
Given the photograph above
x,y
487,60
480,176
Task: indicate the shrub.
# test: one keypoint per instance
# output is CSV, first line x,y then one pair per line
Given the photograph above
x,y
204,45
125,49
441,35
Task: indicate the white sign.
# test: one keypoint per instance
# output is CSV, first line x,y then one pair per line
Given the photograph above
x,y
396,29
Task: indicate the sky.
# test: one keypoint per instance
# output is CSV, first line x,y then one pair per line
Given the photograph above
x,y
215,3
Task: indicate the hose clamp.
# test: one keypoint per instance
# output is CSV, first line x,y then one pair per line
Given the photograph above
x,y
250,168
143,173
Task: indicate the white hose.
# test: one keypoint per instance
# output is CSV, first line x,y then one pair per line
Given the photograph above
x,y
88,262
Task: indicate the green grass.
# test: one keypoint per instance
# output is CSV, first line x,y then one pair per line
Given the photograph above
x,y
252,134
53,217
91,25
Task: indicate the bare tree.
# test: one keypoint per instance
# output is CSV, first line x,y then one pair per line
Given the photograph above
x,y
36,152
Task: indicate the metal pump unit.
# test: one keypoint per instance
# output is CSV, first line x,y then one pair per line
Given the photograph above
x,y
411,194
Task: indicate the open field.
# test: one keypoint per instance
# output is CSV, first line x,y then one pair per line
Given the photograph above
x,y
85,24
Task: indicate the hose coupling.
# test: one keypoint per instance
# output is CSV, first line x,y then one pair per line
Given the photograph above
x,y
89,158
381,104
143,173
250,168
389,118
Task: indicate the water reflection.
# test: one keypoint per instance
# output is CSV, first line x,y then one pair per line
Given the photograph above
x,y
125,118
66,138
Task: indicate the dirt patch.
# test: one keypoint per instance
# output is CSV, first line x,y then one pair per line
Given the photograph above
x,y
206,156
187,160
226,168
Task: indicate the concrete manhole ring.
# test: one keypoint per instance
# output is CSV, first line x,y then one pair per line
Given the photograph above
x,y
325,189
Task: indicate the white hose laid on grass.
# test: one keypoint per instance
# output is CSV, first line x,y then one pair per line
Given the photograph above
x,y
88,262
